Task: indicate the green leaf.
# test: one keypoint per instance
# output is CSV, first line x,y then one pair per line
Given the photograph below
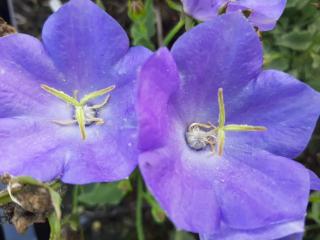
x,y
101,194
298,40
315,197
314,212
143,23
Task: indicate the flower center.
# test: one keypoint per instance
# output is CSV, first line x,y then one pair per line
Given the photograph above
x,y
84,114
201,135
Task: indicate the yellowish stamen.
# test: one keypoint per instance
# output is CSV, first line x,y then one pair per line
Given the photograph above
x,y
230,127
222,112
81,116
96,94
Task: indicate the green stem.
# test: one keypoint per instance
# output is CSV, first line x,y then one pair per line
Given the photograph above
x,y
139,223
175,6
173,32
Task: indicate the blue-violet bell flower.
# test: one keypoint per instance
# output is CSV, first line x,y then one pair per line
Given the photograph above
x,y
217,135
262,14
67,104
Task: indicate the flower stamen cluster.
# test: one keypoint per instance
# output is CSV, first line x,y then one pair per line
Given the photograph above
x,y
84,114
199,135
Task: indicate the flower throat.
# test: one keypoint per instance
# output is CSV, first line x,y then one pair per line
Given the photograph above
x,y
201,135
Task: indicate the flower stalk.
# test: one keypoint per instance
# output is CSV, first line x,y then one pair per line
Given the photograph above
x,y
139,209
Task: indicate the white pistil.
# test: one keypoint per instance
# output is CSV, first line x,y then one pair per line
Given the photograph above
x,y
200,135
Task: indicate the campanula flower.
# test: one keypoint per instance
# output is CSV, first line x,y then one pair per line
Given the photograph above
x,y
217,134
262,14
67,104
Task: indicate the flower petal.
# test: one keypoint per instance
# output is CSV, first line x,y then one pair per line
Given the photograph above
x,y
31,146
110,151
284,231
29,142
261,188
203,10
189,201
288,108
24,66
264,13
222,53
199,190
84,43
158,80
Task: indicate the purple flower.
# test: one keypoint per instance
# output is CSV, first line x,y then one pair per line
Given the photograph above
x,y
217,134
263,14
67,104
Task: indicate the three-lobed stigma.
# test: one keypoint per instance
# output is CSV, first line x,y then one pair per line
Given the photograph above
x,y
84,114
200,135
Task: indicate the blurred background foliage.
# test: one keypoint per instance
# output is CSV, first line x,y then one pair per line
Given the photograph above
x,y
108,211
294,46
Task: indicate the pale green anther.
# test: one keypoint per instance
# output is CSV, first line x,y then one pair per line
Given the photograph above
x,y
96,94
222,113
245,128
81,117
61,95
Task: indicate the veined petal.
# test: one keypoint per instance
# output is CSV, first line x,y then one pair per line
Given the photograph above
x,y
84,43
